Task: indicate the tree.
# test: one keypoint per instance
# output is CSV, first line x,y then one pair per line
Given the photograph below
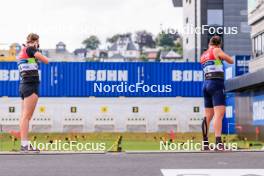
x,y
165,40
113,39
143,57
144,39
178,48
170,41
91,42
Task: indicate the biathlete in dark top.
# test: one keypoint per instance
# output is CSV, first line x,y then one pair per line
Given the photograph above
x,y
28,65
214,90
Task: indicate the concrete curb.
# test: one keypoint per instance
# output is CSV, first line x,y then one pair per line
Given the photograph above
x,y
191,151
51,153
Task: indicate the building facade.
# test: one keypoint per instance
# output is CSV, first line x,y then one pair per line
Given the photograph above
x,y
124,49
201,18
256,20
9,54
247,91
61,53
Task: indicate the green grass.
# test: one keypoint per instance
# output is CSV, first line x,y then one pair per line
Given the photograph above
x,y
140,145
130,141
11,143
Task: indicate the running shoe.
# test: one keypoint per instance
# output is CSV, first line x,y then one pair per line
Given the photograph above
x,y
29,149
220,147
205,146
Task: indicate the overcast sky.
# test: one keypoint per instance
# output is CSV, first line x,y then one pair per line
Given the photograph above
x,y
71,21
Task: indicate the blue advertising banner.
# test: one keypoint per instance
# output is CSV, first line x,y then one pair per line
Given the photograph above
x,y
242,64
258,109
229,122
240,67
82,79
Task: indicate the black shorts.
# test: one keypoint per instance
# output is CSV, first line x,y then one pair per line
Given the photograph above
x,y
27,89
214,93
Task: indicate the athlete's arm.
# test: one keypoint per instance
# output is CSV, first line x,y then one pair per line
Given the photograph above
x,y
41,57
219,53
33,52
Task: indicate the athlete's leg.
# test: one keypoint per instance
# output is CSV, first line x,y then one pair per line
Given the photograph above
x,y
209,114
219,112
21,117
29,104
24,142
22,109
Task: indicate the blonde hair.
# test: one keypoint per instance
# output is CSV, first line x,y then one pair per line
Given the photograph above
x,y
32,37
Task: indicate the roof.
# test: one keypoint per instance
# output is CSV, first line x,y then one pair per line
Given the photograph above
x,y
169,55
117,56
177,3
124,40
61,43
80,50
244,82
52,53
131,46
151,54
113,47
146,50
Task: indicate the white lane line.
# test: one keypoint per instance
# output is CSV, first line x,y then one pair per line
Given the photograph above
x,y
212,172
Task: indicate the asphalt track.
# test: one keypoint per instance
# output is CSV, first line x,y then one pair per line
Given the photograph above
x,y
123,164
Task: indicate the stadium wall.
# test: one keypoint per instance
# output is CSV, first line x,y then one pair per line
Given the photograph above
x,y
107,114
124,86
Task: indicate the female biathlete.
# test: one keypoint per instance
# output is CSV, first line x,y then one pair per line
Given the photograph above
x,y
214,90
29,85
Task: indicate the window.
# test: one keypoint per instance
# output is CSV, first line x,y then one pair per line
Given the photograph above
x,y
187,40
215,17
259,45
255,44
243,12
188,1
262,43
251,5
244,27
187,20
